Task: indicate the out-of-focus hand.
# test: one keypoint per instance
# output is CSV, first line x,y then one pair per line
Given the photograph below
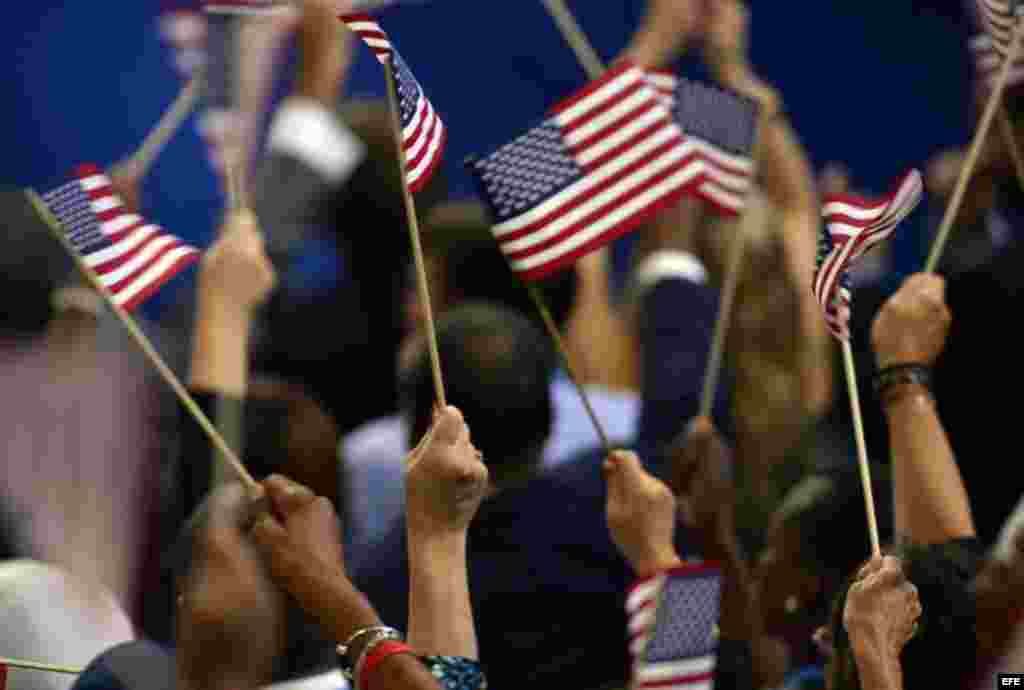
x,y
912,326
125,182
301,539
641,513
726,42
999,594
235,270
699,477
882,607
447,479
326,48
665,31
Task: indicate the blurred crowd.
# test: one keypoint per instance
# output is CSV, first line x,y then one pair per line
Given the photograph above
x,y
495,541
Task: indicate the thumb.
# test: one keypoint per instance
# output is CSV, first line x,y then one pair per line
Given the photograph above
x,y
268,532
450,425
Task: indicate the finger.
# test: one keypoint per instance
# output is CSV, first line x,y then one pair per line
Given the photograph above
x,y
872,566
286,495
268,533
451,427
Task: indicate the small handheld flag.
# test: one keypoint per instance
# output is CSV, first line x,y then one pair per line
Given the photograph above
x,y
721,128
423,132
605,160
853,226
131,257
673,623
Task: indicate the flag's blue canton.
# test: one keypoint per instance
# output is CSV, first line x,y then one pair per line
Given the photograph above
x,y
726,120
686,619
408,90
526,171
72,207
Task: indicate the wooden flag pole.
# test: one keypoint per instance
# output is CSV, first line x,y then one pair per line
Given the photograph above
x,y
37,666
139,162
722,322
552,328
147,347
1010,139
414,232
862,450
991,108
574,36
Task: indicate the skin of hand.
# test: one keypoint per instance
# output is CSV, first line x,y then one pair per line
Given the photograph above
x,y
446,480
664,32
641,514
126,185
726,52
912,326
882,607
301,539
235,271
698,476
327,50
228,607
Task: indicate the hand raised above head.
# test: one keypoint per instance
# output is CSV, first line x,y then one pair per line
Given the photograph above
x,y
326,48
446,480
235,270
882,606
641,514
665,31
912,326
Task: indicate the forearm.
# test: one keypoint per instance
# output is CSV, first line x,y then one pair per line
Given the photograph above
x,y
220,348
876,669
739,618
931,503
440,612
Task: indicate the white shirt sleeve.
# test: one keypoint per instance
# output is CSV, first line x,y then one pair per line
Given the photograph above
x,y
667,264
304,128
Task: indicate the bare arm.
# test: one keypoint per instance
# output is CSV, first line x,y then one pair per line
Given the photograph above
x,y
444,487
931,504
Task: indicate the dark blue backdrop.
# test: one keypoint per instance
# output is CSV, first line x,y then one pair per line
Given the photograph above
x,y
877,85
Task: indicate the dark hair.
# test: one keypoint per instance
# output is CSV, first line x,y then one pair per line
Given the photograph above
x,y
943,651
833,523
497,370
308,651
477,270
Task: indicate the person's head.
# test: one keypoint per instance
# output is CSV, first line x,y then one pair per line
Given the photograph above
x,y
232,622
816,537
464,264
942,651
497,369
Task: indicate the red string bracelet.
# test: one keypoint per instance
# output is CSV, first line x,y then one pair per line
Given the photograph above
x,y
378,654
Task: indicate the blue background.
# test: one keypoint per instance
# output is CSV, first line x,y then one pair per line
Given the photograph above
x,y
879,86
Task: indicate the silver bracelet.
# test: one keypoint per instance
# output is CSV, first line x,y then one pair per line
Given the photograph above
x,y
377,634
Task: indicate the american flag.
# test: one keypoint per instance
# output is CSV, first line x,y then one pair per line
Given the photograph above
x,y
604,161
853,226
721,126
673,624
423,132
989,47
132,258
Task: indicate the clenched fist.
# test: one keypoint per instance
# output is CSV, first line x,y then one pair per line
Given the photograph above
x,y
913,324
641,514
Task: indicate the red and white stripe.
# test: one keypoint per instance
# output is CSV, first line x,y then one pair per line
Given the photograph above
x,y
636,162
867,222
987,62
726,178
997,17
142,257
641,614
366,27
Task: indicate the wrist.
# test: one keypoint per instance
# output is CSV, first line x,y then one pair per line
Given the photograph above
x,y
655,562
342,608
223,310
433,547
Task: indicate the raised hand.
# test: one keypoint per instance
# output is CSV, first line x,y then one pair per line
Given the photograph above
x,y
236,272
301,539
641,514
698,475
882,608
912,326
665,31
326,49
726,41
446,480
